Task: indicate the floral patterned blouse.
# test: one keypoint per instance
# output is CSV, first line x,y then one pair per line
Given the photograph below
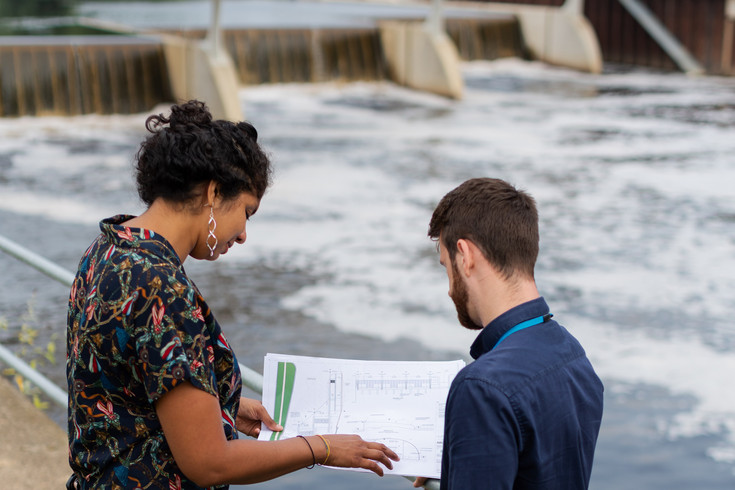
x,y
136,328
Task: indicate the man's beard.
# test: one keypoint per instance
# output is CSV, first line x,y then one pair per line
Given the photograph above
x,y
461,297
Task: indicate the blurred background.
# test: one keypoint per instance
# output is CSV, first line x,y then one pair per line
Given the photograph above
x,y
629,153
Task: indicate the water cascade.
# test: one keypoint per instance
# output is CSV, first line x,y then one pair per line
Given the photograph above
x,y
486,39
77,75
306,55
70,75
350,54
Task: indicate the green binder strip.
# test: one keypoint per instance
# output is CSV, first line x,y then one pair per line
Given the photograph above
x,y
284,390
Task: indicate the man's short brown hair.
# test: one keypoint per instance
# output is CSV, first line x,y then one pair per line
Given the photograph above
x,y
499,219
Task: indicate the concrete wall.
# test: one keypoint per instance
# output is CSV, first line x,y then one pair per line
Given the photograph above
x,y
197,71
421,58
555,35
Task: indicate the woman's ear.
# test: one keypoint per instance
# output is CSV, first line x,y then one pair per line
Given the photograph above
x,y
211,193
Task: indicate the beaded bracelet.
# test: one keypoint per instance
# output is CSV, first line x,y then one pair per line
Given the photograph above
x,y
312,452
328,449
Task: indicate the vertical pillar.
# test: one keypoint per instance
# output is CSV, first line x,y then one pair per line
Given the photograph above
x,y
574,6
727,36
214,35
435,21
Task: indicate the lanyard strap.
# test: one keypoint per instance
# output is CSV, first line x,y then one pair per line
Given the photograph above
x,y
522,325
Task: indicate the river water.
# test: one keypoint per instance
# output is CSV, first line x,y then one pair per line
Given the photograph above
x,y
633,172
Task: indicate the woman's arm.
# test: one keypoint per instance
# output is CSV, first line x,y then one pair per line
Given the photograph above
x,y
192,425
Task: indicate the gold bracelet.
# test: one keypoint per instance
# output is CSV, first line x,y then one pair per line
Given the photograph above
x,y
328,449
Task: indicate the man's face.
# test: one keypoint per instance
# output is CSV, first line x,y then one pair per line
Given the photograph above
x,y
457,290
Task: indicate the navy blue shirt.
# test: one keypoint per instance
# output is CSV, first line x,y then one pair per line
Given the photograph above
x,y
527,412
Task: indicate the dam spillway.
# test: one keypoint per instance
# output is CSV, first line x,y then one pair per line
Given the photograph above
x,y
108,74
295,55
72,75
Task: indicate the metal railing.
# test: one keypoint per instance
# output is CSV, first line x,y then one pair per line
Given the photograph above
x,y
650,23
250,378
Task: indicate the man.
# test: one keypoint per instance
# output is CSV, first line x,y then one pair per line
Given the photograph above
x,y
526,413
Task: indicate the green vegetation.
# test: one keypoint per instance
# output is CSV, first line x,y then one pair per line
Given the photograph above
x,y
34,355
47,8
36,8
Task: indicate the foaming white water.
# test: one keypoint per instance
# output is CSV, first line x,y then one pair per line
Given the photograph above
x,y
633,175
73,169
682,366
69,209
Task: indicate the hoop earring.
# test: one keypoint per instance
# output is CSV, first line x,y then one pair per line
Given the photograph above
x,y
212,225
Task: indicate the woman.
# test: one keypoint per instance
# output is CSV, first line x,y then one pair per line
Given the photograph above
x,y
154,387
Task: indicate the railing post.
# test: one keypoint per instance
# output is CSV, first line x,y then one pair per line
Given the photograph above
x,y
214,35
435,21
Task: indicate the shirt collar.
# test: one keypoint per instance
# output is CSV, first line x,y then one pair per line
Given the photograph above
x,y
492,332
120,235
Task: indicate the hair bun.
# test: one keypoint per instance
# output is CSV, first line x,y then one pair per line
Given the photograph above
x,y
194,112
249,130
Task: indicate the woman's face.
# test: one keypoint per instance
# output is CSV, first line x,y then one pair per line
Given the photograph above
x,y
231,218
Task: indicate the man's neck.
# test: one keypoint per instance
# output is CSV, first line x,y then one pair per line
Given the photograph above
x,y
500,295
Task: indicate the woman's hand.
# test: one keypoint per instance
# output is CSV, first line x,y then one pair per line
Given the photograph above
x,y
351,451
249,416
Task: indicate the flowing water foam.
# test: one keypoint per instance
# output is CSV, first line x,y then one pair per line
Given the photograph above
x,y
635,193
632,172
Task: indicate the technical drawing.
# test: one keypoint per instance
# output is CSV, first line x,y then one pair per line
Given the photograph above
x,y
400,404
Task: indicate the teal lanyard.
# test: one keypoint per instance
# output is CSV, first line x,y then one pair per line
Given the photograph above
x,y
522,325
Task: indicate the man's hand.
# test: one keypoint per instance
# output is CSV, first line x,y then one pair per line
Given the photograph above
x,y
251,414
420,481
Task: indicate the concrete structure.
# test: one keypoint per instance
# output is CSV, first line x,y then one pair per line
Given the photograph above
x,y
703,28
406,42
421,58
556,35
204,70
33,448
420,55
197,72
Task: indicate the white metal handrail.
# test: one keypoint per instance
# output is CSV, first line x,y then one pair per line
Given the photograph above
x,y
250,378
43,383
34,260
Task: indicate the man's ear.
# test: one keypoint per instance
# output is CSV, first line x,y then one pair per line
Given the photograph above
x,y
465,257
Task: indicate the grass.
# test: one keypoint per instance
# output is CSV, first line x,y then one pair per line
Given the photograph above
x,y
35,355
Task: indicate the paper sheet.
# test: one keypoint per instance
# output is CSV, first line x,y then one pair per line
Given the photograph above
x,y
398,403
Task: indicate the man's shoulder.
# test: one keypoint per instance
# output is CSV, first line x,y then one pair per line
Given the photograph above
x,y
485,371
522,365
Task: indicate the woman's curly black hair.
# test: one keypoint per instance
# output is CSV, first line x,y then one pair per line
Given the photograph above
x,y
189,149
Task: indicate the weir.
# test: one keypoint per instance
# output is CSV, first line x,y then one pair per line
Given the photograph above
x,y
302,55
124,73
71,75
350,54
406,43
